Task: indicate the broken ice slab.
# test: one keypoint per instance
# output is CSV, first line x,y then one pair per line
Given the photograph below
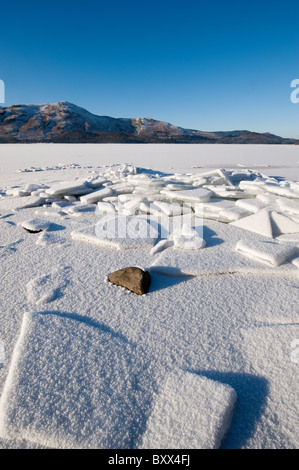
x,y
252,187
105,208
251,205
268,252
289,205
169,209
190,195
281,224
267,198
96,182
68,188
281,190
190,412
96,196
259,223
221,210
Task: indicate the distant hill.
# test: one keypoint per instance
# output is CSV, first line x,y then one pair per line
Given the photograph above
x,y
65,122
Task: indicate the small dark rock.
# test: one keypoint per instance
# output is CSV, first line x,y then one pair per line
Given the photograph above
x,y
134,279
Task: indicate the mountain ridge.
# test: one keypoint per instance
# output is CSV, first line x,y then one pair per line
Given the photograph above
x,y
65,122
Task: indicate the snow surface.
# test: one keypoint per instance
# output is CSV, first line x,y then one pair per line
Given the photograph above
x,y
86,364
184,422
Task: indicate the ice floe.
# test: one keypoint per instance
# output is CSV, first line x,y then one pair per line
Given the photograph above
x,y
269,252
190,412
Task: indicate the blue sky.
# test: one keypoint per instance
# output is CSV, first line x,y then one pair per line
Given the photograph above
x,y
218,65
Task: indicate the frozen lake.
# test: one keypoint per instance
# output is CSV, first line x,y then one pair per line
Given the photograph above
x,y
212,347
272,160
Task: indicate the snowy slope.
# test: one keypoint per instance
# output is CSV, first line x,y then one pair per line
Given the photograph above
x,y
67,122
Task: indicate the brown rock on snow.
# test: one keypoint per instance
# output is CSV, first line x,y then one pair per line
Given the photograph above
x,y
134,279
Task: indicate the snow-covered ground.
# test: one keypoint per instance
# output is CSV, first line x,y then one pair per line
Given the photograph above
x,y
209,357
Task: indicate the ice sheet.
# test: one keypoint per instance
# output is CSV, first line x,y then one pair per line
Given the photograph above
x,y
60,392
190,412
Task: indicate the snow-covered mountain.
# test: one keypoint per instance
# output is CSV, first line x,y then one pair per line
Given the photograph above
x,y
66,122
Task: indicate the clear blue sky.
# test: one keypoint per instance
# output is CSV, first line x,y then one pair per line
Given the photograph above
x,y
208,65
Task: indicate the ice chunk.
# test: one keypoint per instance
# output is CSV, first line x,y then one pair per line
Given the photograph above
x,y
251,187
35,225
268,252
178,186
237,176
105,208
189,195
169,209
283,224
267,198
280,190
221,210
122,188
144,181
251,205
232,213
190,412
68,187
17,192
226,192
187,238
224,174
258,223
288,205
133,204
70,198
96,182
124,198
214,205
96,196
61,204
150,208
146,191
